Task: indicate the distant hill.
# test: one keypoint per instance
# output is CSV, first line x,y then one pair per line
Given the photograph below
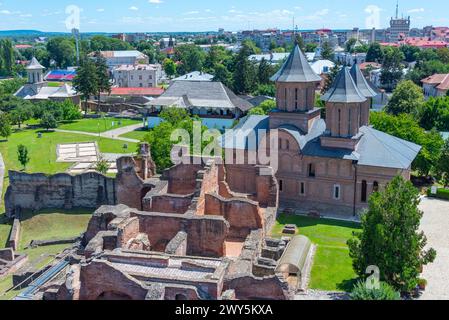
x,y
27,33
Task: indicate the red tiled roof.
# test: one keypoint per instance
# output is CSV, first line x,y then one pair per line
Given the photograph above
x,y
137,91
442,80
374,65
22,46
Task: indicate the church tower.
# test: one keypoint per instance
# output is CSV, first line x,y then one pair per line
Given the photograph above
x,y
347,110
296,83
35,72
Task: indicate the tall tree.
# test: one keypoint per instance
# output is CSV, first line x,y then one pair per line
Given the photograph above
x,y
375,53
265,71
23,156
327,52
62,51
390,238
222,74
407,98
6,57
330,78
442,166
191,58
169,67
5,126
86,80
391,67
245,80
103,82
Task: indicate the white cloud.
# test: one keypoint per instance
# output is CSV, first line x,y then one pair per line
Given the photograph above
x,y
100,10
190,13
155,1
5,12
416,10
133,8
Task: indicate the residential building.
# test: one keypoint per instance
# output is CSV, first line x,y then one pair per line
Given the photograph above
x,y
324,166
350,59
137,76
124,57
399,27
436,85
322,66
216,105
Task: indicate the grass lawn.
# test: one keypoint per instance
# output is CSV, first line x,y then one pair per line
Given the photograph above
x,y
43,157
332,267
43,226
138,134
97,125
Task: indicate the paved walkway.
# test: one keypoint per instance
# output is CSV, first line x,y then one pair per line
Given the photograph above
x,y
2,174
435,225
112,134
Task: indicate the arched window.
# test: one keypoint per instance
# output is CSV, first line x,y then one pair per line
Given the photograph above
x,y
287,144
364,191
375,186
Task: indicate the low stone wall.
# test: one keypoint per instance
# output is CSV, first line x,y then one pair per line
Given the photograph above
x,y
51,242
14,236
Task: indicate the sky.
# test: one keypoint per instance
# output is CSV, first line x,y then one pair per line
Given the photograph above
x,y
209,15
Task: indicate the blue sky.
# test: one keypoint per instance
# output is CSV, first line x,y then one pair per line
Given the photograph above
x,y
206,15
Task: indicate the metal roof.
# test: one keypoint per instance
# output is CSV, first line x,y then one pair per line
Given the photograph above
x,y
367,89
296,69
34,65
344,89
202,94
295,256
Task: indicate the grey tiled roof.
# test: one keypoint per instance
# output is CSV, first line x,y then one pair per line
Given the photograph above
x,y
344,89
200,94
296,69
376,148
365,87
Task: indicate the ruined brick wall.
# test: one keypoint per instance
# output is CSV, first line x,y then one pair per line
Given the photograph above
x,y
182,178
60,191
129,184
253,288
206,235
243,215
100,280
167,203
207,182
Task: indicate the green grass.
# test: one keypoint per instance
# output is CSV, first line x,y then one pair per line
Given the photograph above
x,y
46,225
96,125
42,152
138,134
332,268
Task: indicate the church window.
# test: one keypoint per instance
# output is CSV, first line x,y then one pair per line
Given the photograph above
x,y
312,170
364,191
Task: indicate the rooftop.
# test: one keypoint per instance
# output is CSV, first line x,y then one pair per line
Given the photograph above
x,y
296,69
344,89
441,80
195,76
137,91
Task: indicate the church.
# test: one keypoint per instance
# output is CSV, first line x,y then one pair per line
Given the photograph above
x,y
326,166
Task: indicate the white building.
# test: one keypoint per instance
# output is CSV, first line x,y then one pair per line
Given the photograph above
x,y
349,59
322,66
137,76
125,57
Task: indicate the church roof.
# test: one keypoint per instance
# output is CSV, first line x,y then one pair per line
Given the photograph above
x,y
364,86
296,69
344,89
34,65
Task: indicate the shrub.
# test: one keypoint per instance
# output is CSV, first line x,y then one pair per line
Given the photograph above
x,y
385,292
441,194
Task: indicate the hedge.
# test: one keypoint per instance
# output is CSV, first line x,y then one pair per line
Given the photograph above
x,y
441,194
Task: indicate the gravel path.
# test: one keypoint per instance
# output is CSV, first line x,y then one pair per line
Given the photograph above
x,y
112,134
435,224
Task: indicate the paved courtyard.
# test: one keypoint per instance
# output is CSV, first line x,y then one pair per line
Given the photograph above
x,y
435,224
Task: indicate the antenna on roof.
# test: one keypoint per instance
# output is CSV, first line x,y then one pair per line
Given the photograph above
x,y
397,9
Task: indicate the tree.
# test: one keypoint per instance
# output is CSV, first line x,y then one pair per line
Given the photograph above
x,y
11,86
300,42
385,292
327,52
443,55
103,82
222,74
375,53
5,126
390,237
256,111
265,71
169,67
102,165
191,58
411,53
434,113
245,80
405,126
6,57
22,155
69,110
350,44
442,166
62,50
86,80
391,67
407,98
330,78
48,121
311,47
20,114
